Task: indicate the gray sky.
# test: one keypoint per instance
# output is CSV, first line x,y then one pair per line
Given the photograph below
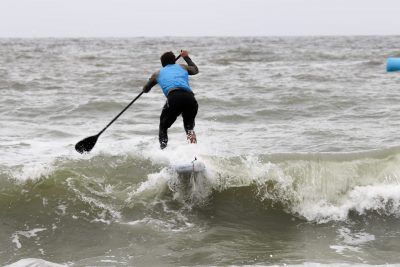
x,y
130,18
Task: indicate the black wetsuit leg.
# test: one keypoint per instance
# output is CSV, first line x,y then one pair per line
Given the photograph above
x,y
178,102
189,113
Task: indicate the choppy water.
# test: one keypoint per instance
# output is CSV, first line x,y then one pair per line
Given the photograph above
x,y
299,136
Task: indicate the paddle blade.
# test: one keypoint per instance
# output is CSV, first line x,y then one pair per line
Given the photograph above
x,y
86,144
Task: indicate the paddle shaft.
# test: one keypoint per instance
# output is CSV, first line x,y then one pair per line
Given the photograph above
x,y
116,117
133,101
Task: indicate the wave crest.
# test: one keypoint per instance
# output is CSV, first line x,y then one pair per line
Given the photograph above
x,y
313,187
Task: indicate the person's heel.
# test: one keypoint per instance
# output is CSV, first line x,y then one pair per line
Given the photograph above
x,y
191,137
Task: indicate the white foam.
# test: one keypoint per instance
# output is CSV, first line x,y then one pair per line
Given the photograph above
x,y
174,153
155,184
94,202
319,191
33,171
31,262
27,234
62,208
383,198
176,223
351,241
190,189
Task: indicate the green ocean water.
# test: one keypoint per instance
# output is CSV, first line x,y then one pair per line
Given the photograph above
x,y
298,135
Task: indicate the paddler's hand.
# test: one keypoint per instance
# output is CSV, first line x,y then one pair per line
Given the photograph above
x,y
184,53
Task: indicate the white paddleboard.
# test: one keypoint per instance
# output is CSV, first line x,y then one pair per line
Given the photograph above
x,y
190,167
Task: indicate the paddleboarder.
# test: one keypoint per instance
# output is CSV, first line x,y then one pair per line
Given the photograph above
x,y
174,81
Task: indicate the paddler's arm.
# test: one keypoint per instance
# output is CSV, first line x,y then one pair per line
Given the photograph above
x,y
150,83
191,68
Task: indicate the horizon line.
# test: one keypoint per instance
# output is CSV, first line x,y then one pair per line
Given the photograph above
x,y
197,36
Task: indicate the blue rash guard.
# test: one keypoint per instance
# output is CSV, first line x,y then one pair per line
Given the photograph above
x,y
173,76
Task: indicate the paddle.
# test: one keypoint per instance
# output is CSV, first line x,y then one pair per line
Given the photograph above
x,y
88,143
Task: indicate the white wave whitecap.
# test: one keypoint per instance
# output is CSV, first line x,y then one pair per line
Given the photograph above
x,y
383,199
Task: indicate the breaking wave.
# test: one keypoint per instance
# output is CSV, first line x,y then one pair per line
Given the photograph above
x,y
105,188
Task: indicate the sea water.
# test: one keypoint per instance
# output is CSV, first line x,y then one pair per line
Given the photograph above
x,y
299,135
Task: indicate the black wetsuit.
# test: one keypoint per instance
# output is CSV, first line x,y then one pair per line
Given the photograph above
x,y
178,102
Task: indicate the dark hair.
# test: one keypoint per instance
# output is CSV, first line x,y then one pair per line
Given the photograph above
x,y
167,58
